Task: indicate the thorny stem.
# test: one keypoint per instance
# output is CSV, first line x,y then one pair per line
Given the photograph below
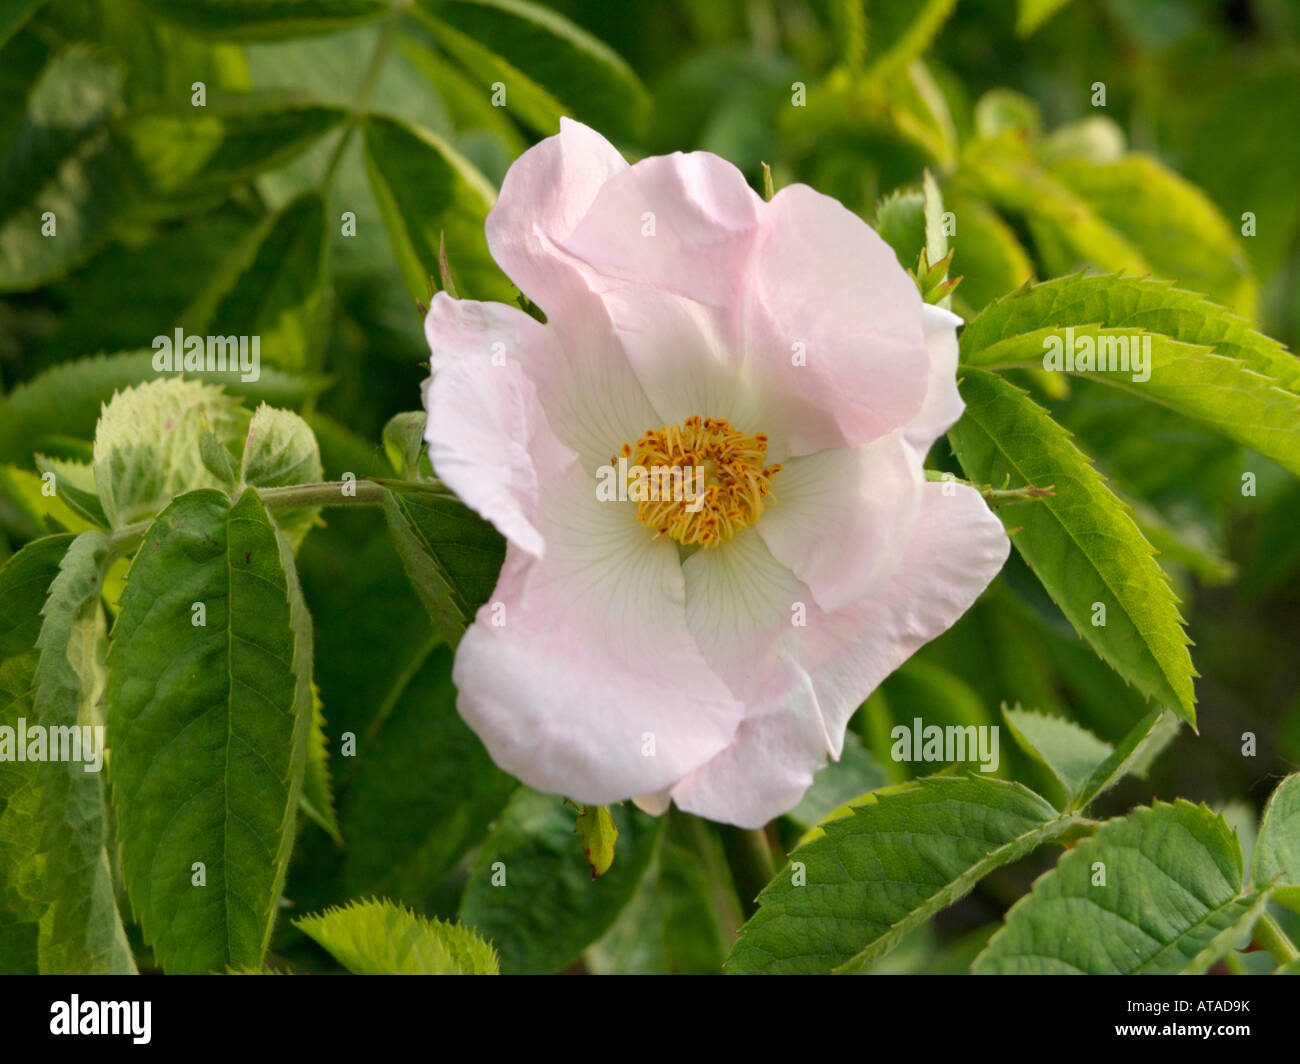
x,y
330,493
1271,936
995,496
1080,828
749,855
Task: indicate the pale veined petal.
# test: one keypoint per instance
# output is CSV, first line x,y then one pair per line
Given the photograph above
x,y
580,676
756,622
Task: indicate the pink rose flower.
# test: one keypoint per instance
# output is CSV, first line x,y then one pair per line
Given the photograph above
x,y
708,650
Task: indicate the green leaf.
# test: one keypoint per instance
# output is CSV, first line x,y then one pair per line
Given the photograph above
x,y
25,55
148,449
683,917
23,488
903,104
1095,139
1118,302
1276,860
1063,674
1247,388
548,66
424,189
1065,228
422,791
1001,111
547,909
1080,541
281,450
900,220
184,151
1149,734
1072,754
12,19
317,799
209,727
530,104
81,931
266,19
275,289
599,835
1033,13
1172,901
61,186
349,560
334,70
66,399
482,126
25,578
404,442
936,240
216,457
874,875
162,61
901,30
987,254
380,938
452,556
74,482
1170,221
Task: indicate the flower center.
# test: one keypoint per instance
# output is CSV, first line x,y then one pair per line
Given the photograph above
x,y
715,477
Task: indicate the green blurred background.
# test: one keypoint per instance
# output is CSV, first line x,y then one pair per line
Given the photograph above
x,y
996,98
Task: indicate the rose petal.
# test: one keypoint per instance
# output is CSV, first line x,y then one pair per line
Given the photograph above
x,y
746,632
682,223
841,519
684,362
957,548
740,604
655,804
580,376
592,688
828,293
943,403
761,775
489,439
666,244
545,194
790,318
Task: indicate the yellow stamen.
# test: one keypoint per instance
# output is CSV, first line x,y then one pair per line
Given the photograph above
x,y
736,484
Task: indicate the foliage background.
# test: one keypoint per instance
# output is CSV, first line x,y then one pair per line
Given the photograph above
x,y
232,225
